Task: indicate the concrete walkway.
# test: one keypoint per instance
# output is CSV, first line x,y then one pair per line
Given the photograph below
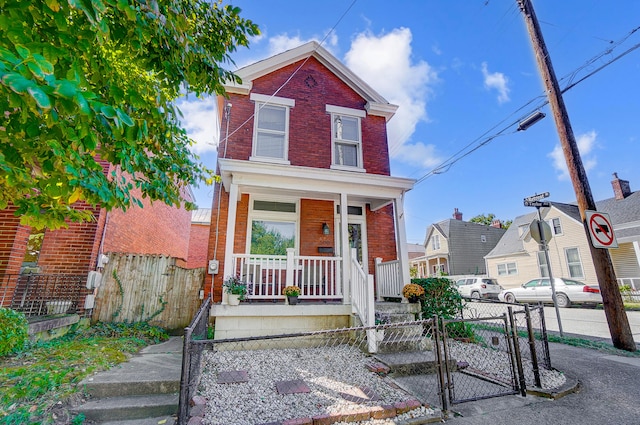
x,y
141,391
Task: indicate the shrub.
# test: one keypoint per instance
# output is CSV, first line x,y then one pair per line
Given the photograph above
x,y
14,331
441,298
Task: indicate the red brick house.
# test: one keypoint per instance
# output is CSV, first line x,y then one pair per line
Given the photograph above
x,y
306,197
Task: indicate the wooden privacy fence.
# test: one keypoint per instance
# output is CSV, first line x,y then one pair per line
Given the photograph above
x,y
148,287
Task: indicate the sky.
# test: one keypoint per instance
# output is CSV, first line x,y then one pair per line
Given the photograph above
x,y
463,74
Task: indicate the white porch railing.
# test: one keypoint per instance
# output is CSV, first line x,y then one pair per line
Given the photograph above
x,y
388,279
267,275
362,299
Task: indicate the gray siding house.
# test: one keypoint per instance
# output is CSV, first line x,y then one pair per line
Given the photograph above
x,y
457,247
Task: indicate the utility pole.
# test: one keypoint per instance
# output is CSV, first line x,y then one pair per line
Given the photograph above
x,y
612,300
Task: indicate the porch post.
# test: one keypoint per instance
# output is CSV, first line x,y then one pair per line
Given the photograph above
x,y
231,227
290,266
346,252
401,239
636,249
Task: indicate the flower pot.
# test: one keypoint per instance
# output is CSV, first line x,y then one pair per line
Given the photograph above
x,y
233,299
292,300
413,300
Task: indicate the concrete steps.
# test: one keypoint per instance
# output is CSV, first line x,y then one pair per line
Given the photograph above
x,y
141,391
401,338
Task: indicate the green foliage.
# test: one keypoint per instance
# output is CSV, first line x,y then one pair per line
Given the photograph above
x,y
14,331
46,373
234,285
625,288
441,297
89,86
488,219
269,241
461,330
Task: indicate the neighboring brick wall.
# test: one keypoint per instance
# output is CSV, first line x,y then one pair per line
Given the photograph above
x,y
72,250
13,241
313,87
198,245
155,229
381,240
313,213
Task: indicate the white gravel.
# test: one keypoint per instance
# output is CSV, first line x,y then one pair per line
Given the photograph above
x,y
327,371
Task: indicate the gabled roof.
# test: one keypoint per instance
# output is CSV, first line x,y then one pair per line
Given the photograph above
x,y
624,214
376,104
511,241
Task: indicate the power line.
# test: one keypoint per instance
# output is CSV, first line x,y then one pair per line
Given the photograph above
x,y
483,140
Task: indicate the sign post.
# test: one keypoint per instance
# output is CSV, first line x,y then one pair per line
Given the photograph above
x,y
542,233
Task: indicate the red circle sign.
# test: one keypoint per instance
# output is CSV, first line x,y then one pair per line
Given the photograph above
x,y
599,224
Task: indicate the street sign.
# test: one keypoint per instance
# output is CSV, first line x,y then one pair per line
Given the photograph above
x,y
536,197
536,204
534,229
601,230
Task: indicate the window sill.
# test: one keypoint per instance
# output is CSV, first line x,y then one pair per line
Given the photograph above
x,y
348,168
269,160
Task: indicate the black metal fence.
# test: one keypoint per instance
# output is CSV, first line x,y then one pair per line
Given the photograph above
x,y
44,294
191,359
419,368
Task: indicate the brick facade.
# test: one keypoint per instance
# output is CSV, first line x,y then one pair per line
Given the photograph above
x,y
198,245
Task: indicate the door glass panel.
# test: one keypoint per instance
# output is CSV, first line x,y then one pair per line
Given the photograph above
x,y
355,239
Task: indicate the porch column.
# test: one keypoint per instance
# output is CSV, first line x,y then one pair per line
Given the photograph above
x,y
346,257
401,240
231,227
636,249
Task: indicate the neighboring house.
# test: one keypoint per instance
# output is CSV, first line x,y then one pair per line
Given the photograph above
x,y
455,247
37,267
199,238
517,258
306,196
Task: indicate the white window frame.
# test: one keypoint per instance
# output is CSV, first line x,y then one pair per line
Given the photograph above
x,y
507,270
262,100
553,227
279,216
357,114
435,242
579,263
543,267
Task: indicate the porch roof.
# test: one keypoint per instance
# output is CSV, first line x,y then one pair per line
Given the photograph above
x,y
378,190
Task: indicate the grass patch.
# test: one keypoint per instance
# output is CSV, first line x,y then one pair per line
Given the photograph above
x,y
44,374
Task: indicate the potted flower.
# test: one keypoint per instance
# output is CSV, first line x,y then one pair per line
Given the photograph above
x,y
236,289
413,292
291,292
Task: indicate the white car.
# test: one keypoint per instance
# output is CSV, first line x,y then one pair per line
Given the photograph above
x,y
476,288
568,291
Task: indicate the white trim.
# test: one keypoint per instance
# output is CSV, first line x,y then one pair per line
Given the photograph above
x,y
273,100
341,110
269,160
285,148
347,168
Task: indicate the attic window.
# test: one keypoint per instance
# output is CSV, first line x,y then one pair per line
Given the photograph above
x,y
483,238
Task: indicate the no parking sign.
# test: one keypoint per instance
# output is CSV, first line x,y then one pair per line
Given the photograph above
x,y
601,230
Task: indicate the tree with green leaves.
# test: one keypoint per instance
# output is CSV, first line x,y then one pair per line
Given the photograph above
x,y
90,85
488,219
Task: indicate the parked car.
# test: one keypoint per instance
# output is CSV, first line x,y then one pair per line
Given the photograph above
x,y
568,291
476,288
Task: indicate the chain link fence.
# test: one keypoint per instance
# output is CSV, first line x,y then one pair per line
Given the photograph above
x,y
420,368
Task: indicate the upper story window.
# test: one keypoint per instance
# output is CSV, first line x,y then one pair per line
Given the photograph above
x,y
555,226
271,128
435,242
346,138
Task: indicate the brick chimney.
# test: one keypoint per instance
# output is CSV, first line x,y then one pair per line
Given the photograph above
x,y
496,223
457,214
621,188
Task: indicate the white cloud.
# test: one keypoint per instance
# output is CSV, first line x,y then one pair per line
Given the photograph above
x,y
496,81
586,142
385,63
200,119
284,42
419,154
